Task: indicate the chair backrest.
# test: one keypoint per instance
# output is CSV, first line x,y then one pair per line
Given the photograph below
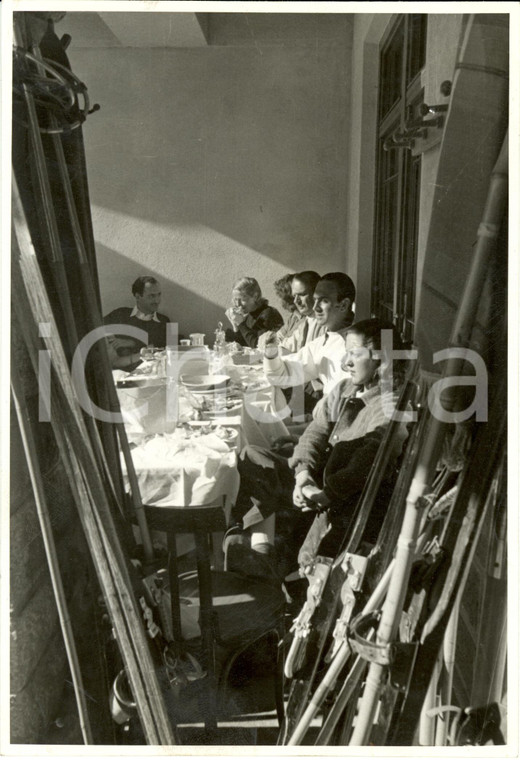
x,y
179,519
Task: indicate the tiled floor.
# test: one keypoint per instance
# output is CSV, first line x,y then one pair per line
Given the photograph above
x,y
248,719
246,729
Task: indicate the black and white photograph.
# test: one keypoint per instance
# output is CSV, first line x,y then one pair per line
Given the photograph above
x,y
259,378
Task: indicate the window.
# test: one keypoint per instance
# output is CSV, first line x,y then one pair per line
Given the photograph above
x,y
398,174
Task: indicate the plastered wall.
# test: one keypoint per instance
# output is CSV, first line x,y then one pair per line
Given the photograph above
x,y
207,164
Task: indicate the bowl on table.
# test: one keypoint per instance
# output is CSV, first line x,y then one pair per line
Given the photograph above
x,y
204,383
229,435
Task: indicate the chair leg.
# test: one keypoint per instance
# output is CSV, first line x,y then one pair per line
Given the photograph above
x,y
279,685
173,577
206,623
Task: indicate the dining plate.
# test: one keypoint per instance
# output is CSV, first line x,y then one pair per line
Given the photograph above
x,y
143,381
204,382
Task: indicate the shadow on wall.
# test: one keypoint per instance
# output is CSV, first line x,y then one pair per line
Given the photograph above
x,y
192,312
250,145
196,265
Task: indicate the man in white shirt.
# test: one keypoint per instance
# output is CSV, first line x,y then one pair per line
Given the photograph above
x,y
302,287
319,359
124,350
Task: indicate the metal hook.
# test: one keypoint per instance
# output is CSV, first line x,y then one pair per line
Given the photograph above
x,y
425,109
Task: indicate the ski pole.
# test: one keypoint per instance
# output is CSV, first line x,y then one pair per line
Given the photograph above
x,y
447,651
448,654
88,292
85,481
486,242
427,726
462,528
86,285
50,550
398,582
340,659
352,539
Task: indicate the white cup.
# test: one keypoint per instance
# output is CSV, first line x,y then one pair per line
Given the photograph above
x,y
197,339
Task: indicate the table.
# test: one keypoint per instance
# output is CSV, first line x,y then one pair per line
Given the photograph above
x,y
183,455
254,406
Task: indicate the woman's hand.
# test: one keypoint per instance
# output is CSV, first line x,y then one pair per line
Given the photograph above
x,y
268,343
316,495
300,500
235,316
267,338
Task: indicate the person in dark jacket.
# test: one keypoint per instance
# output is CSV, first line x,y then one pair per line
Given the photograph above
x,y
250,315
123,349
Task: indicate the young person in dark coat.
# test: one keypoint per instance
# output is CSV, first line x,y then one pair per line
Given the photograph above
x,y
250,315
330,463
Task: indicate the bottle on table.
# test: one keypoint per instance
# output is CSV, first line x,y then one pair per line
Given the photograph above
x,y
219,350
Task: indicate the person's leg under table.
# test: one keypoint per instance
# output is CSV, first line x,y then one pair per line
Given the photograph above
x,y
266,488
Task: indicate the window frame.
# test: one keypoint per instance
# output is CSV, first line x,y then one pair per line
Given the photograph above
x,y
399,260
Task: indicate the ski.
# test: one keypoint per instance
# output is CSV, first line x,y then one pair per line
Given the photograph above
x,y
321,614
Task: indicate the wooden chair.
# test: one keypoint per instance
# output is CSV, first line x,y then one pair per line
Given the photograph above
x,y
235,613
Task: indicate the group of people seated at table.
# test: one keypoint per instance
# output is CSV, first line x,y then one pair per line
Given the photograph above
x,y
305,487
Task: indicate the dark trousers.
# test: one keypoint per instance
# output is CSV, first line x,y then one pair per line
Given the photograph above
x,y
266,488
266,485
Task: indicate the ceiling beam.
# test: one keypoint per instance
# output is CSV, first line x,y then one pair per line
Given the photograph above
x,y
141,29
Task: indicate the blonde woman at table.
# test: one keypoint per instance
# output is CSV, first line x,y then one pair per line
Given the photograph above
x,y
250,315
329,466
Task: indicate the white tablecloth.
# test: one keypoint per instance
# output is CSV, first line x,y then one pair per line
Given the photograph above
x,y
173,469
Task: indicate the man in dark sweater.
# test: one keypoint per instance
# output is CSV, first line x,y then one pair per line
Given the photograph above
x,y
124,349
250,315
